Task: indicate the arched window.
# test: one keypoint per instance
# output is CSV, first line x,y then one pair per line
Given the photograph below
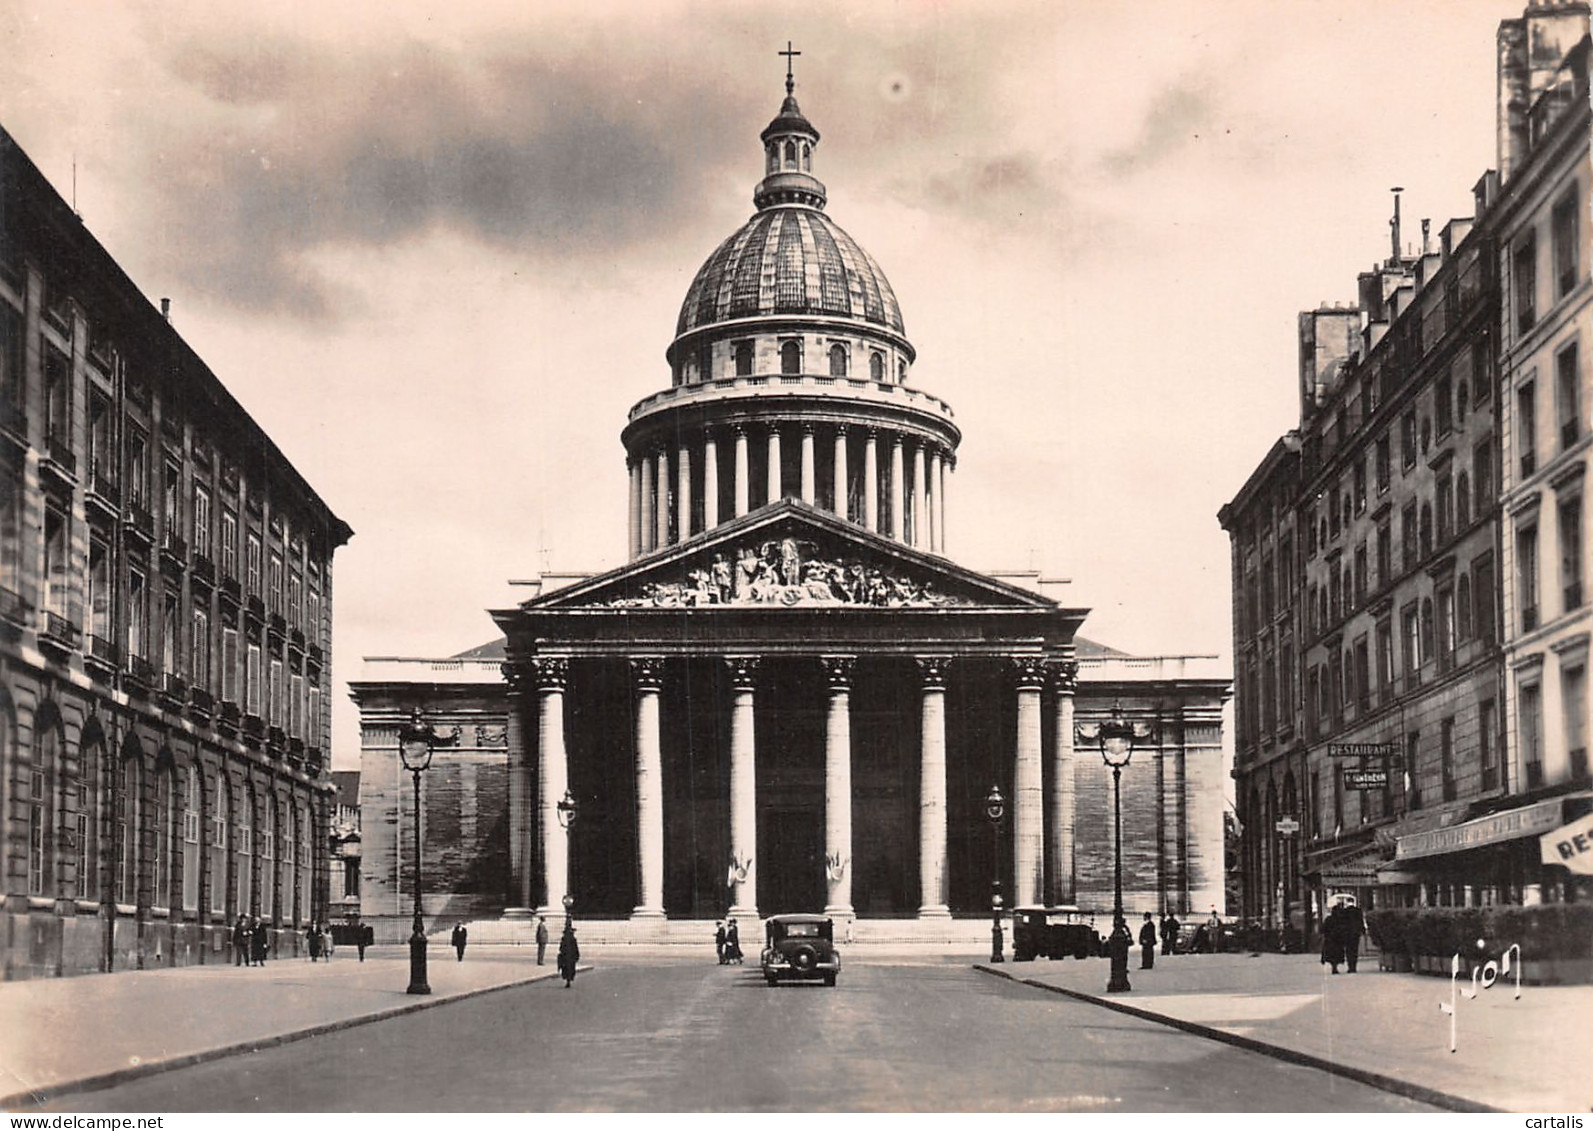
x,y
41,799
876,366
130,780
303,866
790,155
791,357
268,861
220,817
807,157
1463,607
243,838
165,821
743,359
774,157
284,890
901,372
838,359
192,799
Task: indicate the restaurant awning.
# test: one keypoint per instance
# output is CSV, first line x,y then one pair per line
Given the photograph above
x,y
1352,866
1496,828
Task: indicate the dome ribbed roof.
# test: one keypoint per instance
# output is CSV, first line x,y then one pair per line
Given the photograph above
x,y
790,260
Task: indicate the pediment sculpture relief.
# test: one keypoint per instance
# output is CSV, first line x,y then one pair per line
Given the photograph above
x,y
787,572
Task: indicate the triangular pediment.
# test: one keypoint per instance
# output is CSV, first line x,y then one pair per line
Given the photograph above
x,y
790,555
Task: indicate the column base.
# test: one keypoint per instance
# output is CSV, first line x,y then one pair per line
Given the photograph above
x,y
934,911
519,913
835,911
554,912
648,913
743,913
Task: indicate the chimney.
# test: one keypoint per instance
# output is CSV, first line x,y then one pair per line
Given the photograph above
x,y
165,309
1393,229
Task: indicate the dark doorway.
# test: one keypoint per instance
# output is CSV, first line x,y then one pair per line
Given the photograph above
x,y
791,861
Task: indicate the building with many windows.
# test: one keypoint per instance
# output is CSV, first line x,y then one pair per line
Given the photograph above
x,y
165,626
1441,702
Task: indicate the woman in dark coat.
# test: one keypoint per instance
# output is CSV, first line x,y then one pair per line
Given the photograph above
x,y
315,943
258,941
1147,943
1333,939
569,955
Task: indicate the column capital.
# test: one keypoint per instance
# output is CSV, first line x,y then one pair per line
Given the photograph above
x,y
514,676
648,672
932,671
1064,675
743,671
710,435
838,671
896,439
843,428
1028,672
551,673
738,429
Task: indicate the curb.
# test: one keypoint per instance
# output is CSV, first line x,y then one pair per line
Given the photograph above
x,y
103,1080
1392,1084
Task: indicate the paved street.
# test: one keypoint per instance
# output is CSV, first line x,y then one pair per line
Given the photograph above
x,y
668,1034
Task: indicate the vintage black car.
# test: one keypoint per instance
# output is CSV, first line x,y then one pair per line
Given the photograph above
x,y
1052,932
800,947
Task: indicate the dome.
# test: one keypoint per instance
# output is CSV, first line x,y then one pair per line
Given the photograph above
x,y
790,260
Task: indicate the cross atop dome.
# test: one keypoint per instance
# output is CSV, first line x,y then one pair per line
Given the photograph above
x,y
790,79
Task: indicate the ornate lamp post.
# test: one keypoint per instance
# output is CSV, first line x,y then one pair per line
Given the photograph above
x,y
995,810
416,741
568,809
1117,737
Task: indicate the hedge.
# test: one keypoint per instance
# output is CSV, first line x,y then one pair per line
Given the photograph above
x,y
1546,931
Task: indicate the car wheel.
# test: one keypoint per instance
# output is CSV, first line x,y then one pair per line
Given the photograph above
x,y
804,958
829,979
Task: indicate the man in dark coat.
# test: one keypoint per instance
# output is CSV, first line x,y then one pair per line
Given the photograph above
x,y
1333,938
733,943
240,941
1354,926
719,941
365,936
258,942
314,934
1147,943
569,954
542,939
459,938
1169,933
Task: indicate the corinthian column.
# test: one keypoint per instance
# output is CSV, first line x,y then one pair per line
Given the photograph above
x,y
646,525
810,490
772,487
898,526
551,673
1028,805
520,803
839,494
633,535
710,481
662,478
838,786
648,673
871,481
936,479
683,493
1060,818
920,500
743,874
743,472
932,789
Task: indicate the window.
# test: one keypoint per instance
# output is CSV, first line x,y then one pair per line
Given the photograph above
x,y
253,564
199,654
101,440
1360,486
1570,515
876,366
127,822
1462,502
171,506
1360,575
1410,637
1385,655
100,624
743,352
1527,576
1429,633
160,843
1482,593
229,544
137,467
1446,756
1407,535
191,838
1383,464
57,586
838,360
244,840
1530,701
1563,224
1445,494
170,651
275,689
312,735
1482,473
1524,273
1413,746
1446,628
274,582
1444,405
1463,608
38,813
1363,675
1487,748
1567,395
296,706
1573,697
137,613
201,520
791,357
229,664
57,396
220,817
1527,427
1407,441
1427,529
1385,554
251,680
267,846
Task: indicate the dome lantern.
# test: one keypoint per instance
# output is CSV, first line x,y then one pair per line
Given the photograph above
x,y
788,144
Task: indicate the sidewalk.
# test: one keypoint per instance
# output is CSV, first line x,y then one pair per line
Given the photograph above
x,y
1530,1054
56,1031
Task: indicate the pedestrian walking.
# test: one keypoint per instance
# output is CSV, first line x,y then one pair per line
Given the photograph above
x,y
1147,943
719,940
240,941
258,942
1214,931
1353,928
315,942
1333,938
542,939
459,938
1169,934
366,936
328,943
569,954
733,943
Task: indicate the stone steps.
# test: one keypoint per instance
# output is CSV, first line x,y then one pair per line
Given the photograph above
x,y
700,932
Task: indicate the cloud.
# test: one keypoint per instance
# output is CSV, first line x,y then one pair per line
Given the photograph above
x,y
1176,117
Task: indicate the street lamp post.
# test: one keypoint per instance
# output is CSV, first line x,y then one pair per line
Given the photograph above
x,y
568,809
995,810
1116,737
416,741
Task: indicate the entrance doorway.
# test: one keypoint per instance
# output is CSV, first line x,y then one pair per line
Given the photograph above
x,y
790,861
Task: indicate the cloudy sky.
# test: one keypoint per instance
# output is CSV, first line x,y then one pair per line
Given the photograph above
x,y
438,249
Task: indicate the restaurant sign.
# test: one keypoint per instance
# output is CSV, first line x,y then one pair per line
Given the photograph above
x,y
1362,749
1365,779
1528,821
